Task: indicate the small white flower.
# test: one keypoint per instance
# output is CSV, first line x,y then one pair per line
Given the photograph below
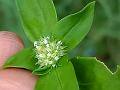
x,y
47,45
45,41
35,43
48,51
56,58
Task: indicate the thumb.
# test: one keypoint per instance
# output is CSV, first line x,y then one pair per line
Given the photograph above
x,y
13,79
10,43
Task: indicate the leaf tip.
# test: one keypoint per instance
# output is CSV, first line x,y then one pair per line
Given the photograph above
x,y
118,70
93,3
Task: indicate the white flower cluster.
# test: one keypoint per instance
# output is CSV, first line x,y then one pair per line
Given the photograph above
x,y
48,51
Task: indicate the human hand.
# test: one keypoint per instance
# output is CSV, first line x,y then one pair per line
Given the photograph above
x,y
13,79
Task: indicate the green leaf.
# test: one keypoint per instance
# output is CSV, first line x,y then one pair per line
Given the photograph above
x,y
60,78
24,59
73,28
117,73
94,75
37,17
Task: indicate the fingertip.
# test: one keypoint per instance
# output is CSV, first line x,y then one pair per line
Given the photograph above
x,y
17,79
10,43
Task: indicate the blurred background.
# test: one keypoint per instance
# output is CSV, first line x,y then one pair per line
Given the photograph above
x,y
103,41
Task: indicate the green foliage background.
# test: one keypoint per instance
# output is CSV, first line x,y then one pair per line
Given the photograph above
x,y
103,41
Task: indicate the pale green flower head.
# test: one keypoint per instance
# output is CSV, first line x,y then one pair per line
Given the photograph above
x,y
48,51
